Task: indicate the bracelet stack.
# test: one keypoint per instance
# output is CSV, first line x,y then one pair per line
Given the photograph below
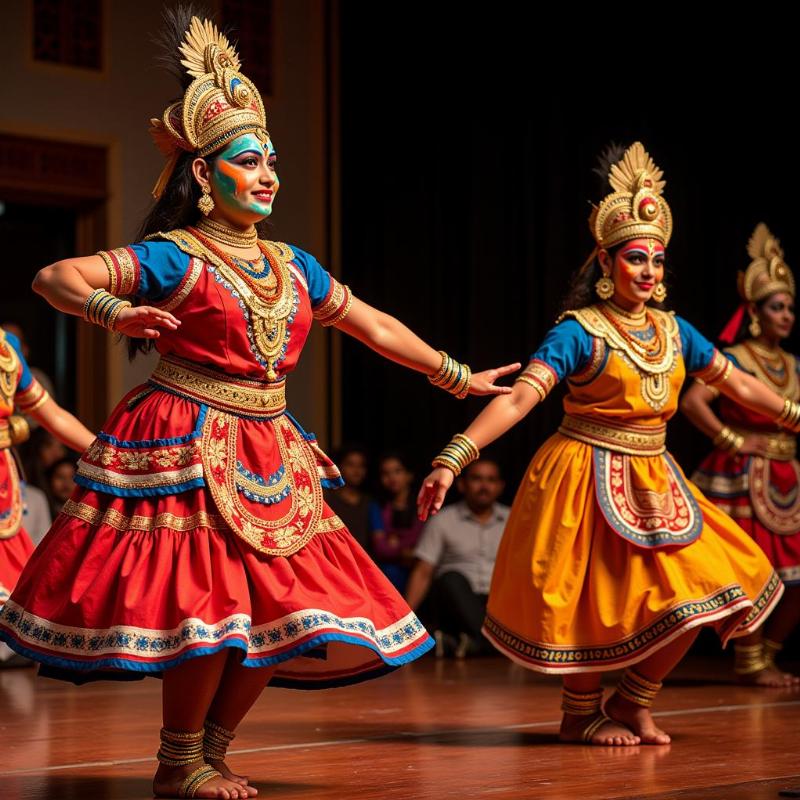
x,y
102,308
729,440
452,376
457,454
790,416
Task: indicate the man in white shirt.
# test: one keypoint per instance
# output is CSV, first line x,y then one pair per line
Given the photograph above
x,y
455,559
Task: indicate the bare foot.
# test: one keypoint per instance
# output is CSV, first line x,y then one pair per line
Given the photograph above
x,y
609,734
242,780
168,780
637,718
770,677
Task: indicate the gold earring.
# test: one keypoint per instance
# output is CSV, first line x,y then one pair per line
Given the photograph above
x,y
604,288
206,202
754,327
660,292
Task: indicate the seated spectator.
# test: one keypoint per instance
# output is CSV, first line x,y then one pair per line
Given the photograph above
x,y
60,483
455,558
395,525
350,502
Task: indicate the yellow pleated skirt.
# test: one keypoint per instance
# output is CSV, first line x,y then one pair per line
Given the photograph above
x,y
570,594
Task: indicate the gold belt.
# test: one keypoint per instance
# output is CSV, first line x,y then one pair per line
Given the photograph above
x,y
219,390
780,446
635,440
5,435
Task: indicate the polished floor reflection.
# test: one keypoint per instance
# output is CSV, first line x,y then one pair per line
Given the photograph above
x,y
432,730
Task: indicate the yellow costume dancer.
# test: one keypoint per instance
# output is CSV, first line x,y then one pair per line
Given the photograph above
x,y
610,555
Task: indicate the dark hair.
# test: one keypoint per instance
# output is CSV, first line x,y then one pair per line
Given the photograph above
x,y
401,517
744,328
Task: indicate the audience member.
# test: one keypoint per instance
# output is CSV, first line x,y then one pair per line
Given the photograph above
x,y
351,503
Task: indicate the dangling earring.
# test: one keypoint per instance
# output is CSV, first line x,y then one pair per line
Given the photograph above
x,y
660,292
604,288
206,202
754,327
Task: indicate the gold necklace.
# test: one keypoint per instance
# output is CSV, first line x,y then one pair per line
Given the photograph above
x,y
227,235
650,351
638,316
770,362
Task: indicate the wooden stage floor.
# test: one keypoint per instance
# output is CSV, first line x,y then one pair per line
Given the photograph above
x,y
435,729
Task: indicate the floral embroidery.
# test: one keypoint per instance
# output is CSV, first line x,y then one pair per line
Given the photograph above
x,y
157,645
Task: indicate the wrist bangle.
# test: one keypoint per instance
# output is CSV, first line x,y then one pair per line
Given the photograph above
x,y
727,439
102,308
458,453
790,416
452,376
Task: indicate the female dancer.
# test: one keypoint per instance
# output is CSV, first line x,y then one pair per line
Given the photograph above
x,y
19,388
752,474
610,557
198,545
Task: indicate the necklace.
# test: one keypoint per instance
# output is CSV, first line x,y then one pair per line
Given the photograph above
x,y
269,300
637,316
650,351
771,363
225,234
8,370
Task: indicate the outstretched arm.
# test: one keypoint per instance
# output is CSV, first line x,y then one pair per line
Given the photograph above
x,y
498,417
696,405
63,425
388,336
751,393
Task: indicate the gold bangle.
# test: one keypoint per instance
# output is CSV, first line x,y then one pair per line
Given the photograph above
x,y
790,416
457,454
111,319
452,376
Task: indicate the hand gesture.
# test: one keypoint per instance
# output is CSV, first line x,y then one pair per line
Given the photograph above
x,y
143,322
434,488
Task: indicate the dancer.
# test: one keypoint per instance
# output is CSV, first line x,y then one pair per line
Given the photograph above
x,y
198,546
610,558
752,474
19,388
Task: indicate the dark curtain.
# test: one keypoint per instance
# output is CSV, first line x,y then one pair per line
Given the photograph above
x,y
468,147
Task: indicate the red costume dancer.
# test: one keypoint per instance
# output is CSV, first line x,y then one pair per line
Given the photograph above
x,y
19,388
753,474
199,546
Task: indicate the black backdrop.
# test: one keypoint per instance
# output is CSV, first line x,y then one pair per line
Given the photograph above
x,y
468,148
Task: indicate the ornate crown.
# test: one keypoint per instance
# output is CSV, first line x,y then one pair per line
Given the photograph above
x,y
217,106
767,272
635,208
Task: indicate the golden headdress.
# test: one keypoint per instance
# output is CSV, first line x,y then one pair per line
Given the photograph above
x,y
767,272
635,208
217,106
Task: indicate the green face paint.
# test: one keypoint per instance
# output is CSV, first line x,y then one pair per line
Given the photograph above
x,y
238,175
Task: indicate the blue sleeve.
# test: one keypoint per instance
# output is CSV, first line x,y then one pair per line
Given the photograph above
x,y
697,350
25,378
161,267
567,348
732,358
317,277
375,517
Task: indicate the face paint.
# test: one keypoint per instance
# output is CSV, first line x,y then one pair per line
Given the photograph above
x,y
776,315
244,179
638,267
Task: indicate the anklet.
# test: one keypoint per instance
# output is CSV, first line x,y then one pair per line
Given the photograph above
x,y
771,649
582,704
749,658
216,741
635,688
180,748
